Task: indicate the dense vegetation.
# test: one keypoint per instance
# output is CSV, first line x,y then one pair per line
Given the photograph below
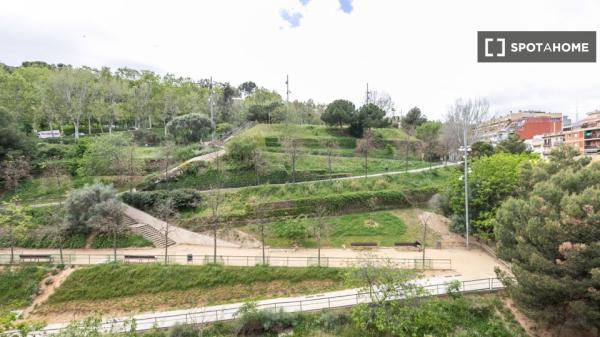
x,y
551,235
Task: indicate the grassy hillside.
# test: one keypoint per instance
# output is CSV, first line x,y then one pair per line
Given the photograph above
x,y
345,196
17,286
384,228
312,160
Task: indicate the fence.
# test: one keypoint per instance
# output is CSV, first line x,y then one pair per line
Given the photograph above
x,y
276,261
228,312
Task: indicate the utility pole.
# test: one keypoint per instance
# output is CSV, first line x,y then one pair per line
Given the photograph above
x,y
212,116
287,97
368,93
466,174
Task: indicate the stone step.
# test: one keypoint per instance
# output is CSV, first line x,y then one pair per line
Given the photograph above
x,y
151,234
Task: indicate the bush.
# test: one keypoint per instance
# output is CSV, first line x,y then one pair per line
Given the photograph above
x,y
182,198
147,137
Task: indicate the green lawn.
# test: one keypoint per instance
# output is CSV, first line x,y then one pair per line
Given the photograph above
x,y
113,281
385,228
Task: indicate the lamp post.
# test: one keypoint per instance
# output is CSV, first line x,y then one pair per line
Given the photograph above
x,y
466,149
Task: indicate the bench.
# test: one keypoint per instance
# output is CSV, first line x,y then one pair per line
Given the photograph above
x,y
415,244
363,244
139,258
35,258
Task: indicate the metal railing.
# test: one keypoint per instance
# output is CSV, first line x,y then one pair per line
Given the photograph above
x,y
228,312
275,261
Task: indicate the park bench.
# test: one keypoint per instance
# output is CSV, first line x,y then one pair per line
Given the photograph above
x,y
415,244
363,244
35,258
139,258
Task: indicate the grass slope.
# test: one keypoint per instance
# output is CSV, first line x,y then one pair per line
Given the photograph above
x,y
113,281
17,286
385,228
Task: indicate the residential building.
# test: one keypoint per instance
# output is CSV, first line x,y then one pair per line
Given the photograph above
x,y
525,124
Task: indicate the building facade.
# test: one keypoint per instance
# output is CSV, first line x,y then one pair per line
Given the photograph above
x,y
525,124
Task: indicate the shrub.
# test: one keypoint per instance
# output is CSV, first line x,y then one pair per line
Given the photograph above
x,y
147,200
146,137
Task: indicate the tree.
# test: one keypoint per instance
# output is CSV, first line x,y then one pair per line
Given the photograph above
x,y
481,149
255,202
108,155
190,128
167,153
492,180
428,133
79,206
14,170
247,88
413,119
364,146
320,228
166,211
58,230
214,200
368,116
107,216
12,141
292,149
384,101
72,92
14,220
338,112
513,144
464,117
550,235
330,144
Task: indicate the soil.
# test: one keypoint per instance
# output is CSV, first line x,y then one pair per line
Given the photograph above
x,y
47,287
237,236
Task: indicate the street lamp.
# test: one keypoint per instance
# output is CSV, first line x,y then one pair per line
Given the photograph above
x,y
466,149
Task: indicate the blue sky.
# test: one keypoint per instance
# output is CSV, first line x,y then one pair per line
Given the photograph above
x,y
423,53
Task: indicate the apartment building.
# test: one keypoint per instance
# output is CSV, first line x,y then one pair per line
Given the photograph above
x,y
525,124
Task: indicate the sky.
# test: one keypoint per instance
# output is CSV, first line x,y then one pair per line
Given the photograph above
x,y
423,53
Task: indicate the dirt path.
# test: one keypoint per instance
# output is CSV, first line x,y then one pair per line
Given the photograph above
x,y
47,287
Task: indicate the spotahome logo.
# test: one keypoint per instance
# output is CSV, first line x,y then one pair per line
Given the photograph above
x,y
528,46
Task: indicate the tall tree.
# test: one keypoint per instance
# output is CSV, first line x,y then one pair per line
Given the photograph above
x,y
107,216
551,237
13,170
72,90
338,112
320,228
428,133
513,144
14,220
413,119
255,202
364,147
292,149
80,203
166,211
330,144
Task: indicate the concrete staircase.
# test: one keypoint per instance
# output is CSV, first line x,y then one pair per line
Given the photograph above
x,y
151,234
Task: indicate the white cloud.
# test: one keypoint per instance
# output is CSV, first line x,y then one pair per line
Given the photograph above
x,y
422,53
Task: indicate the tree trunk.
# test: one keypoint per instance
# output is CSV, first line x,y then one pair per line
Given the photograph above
x,y
115,245
166,242
215,241
89,125
294,166
366,164
62,261
262,239
319,249
329,164
76,127
12,245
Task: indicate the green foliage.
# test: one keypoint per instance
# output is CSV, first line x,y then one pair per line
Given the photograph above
x,y
111,281
492,180
413,119
294,230
144,137
12,140
18,285
190,128
124,240
513,144
108,156
338,112
481,149
183,199
551,236
81,202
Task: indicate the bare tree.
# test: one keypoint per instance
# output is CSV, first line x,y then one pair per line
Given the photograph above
x,y
320,228
14,169
166,211
384,101
71,90
168,152
128,165
55,170
255,202
214,200
330,144
291,146
463,119
108,218
57,230
364,146
259,163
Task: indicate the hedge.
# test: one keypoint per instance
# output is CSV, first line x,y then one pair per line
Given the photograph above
x,y
339,203
183,198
